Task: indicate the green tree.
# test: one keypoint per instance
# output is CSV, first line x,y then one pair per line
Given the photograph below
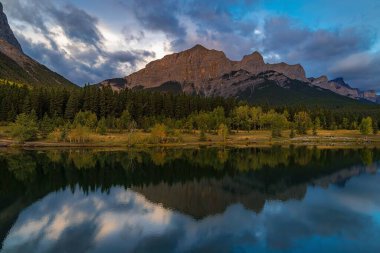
x,y
241,118
125,119
72,106
302,122
375,128
158,133
25,127
316,126
87,119
278,123
102,126
223,132
366,126
46,126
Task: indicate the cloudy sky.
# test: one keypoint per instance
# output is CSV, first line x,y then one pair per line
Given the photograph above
x,y
92,40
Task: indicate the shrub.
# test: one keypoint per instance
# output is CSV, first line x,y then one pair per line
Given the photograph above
x,y
102,126
223,132
79,134
25,127
202,135
158,133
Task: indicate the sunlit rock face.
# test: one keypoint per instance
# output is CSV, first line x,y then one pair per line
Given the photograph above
x,y
201,70
6,32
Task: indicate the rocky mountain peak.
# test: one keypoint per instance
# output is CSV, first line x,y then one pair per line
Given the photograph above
x,y
6,32
341,81
198,47
254,58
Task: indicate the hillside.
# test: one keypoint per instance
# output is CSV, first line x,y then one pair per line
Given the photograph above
x,y
19,68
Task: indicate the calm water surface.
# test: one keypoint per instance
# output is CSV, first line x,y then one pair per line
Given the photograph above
x,y
192,200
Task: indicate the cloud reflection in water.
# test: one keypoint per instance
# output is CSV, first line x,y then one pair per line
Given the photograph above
x,y
340,219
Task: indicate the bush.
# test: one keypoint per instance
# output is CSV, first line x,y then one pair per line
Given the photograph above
x,y
292,133
223,132
56,135
25,127
158,133
202,135
79,134
102,126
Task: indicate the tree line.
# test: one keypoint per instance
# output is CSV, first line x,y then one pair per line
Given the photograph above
x,y
45,109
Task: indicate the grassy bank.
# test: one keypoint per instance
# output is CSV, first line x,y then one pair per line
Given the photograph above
x,y
140,138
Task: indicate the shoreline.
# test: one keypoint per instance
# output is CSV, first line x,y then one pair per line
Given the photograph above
x,y
241,140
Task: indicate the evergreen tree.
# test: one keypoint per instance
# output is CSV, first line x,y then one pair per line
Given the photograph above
x,y
72,107
46,126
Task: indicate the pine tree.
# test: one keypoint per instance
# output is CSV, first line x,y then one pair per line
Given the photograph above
x,y
72,106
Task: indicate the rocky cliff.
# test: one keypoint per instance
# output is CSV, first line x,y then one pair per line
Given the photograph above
x,y
340,87
6,32
209,72
198,66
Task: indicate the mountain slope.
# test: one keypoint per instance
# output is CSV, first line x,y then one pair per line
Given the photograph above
x,y
16,67
295,93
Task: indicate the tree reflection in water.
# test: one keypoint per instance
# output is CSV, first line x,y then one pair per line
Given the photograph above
x,y
194,183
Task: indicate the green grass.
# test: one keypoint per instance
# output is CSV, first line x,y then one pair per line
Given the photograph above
x,y
241,138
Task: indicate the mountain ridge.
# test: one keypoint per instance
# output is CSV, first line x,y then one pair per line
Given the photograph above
x,y
202,71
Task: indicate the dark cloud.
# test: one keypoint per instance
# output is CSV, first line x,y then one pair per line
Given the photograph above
x,y
238,27
320,51
78,25
221,25
31,12
360,69
87,61
85,66
159,16
296,43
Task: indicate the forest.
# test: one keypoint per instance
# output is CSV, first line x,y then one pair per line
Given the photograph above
x,y
40,112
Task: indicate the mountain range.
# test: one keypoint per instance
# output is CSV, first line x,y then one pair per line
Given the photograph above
x,y
198,71
17,67
210,73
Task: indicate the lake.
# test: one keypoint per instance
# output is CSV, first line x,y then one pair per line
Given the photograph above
x,y
296,199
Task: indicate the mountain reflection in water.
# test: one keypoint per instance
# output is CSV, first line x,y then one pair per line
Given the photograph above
x,y
190,200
